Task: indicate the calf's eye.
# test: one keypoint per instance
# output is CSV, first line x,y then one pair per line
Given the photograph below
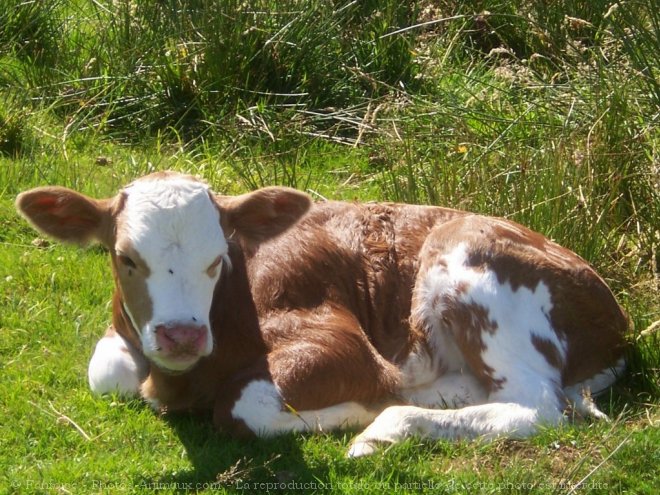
x,y
126,261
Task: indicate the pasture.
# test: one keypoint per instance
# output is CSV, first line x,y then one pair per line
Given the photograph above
x,y
547,115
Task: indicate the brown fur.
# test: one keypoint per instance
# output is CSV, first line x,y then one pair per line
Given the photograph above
x,y
132,285
320,296
548,350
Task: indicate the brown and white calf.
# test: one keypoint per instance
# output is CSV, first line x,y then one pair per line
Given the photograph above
x,y
279,314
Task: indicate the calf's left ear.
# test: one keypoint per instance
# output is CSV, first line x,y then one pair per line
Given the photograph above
x,y
67,215
262,214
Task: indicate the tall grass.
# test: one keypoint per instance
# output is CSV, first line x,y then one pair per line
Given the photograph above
x,y
544,113
133,66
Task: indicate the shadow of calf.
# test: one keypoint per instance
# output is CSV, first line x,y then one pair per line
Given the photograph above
x,y
220,461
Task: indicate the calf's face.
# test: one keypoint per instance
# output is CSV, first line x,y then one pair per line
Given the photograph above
x,y
166,240
168,252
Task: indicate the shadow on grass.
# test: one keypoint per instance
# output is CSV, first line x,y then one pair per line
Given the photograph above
x,y
220,461
638,385
296,463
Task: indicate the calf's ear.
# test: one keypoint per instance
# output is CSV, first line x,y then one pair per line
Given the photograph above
x,y
67,215
262,214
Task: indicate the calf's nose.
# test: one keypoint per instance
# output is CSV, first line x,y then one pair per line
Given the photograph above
x,y
178,338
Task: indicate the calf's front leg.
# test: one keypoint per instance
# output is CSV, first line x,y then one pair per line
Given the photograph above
x,y
116,366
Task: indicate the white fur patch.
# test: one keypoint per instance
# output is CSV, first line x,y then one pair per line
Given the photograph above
x,y
175,227
450,390
519,314
115,367
418,369
580,395
261,408
487,421
600,382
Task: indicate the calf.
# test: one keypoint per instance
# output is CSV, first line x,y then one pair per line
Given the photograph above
x,y
281,315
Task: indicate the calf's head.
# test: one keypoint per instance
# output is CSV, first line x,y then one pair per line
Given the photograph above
x,y
166,237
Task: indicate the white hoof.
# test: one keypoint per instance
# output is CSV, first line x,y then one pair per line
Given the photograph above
x,y
361,448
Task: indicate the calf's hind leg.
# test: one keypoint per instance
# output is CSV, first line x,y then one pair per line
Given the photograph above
x,y
505,416
495,329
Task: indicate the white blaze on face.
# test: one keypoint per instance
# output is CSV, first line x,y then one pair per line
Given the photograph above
x,y
174,228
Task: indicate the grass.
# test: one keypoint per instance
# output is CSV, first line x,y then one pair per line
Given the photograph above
x,y
544,114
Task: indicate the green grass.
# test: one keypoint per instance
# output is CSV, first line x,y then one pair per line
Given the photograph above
x,y
543,113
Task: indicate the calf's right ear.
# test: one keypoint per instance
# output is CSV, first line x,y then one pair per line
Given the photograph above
x,y
67,215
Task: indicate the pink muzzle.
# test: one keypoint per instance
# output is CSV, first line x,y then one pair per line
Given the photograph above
x,y
178,340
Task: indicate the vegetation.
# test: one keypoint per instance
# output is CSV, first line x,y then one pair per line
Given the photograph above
x,y
544,112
